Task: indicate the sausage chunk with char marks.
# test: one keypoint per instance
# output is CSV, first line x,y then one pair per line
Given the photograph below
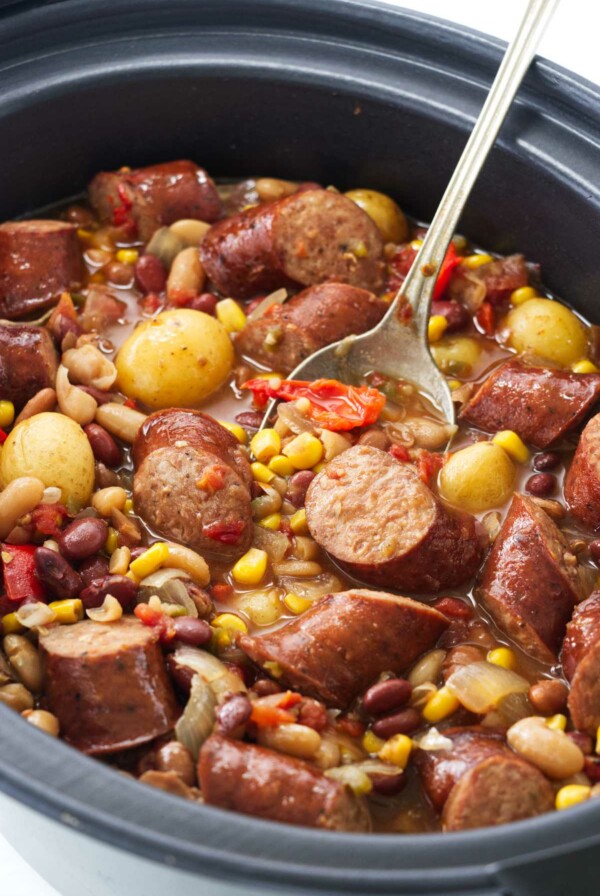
x,y
582,484
28,362
580,658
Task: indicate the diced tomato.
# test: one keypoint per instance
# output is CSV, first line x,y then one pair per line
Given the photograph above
x,y
333,405
221,591
399,452
48,518
352,727
3,437
225,533
160,622
429,465
130,403
213,478
20,578
486,318
150,303
453,608
268,716
288,699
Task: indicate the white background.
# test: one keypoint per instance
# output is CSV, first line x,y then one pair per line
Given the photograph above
x,y
571,41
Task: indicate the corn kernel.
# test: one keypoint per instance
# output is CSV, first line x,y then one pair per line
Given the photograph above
x,y
476,261
396,750
230,621
7,413
298,523
250,568
580,367
320,466
272,522
221,638
304,451
261,472
440,705
571,794
112,541
454,384
281,465
230,315
436,327
128,506
360,250
150,560
354,778
598,740
236,430
127,256
557,722
502,656
522,295
273,668
265,444
371,743
67,611
11,624
513,445
416,244
84,234
296,604
270,376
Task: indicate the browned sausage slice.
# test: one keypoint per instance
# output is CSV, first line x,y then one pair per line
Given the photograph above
x,y
496,791
107,684
38,260
492,282
531,580
156,196
378,520
303,239
340,646
28,362
192,482
540,404
318,316
259,782
580,659
582,484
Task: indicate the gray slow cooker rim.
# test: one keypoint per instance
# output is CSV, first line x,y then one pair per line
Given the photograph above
x,y
80,792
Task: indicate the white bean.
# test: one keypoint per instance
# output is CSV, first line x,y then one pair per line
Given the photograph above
x,y
293,739
25,660
90,367
74,402
428,668
186,277
548,749
105,500
189,561
18,498
119,420
190,230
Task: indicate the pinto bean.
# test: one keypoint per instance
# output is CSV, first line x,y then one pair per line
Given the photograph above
x,y
104,447
121,588
376,438
174,757
25,660
402,722
541,484
313,714
233,715
298,485
82,538
16,696
264,687
56,573
150,274
548,697
386,696
204,302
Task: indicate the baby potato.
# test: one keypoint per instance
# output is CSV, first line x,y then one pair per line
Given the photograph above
x,y
547,329
56,450
384,212
456,355
479,477
177,359
263,607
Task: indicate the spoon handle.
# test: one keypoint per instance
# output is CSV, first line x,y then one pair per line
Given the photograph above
x,y
418,287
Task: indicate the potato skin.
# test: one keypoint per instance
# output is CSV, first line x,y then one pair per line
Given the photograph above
x,y
456,355
478,477
177,359
548,330
56,450
386,214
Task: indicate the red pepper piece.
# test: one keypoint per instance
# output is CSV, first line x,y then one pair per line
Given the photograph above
x,y
486,318
20,578
429,465
399,452
162,623
3,437
451,261
222,591
226,533
453,608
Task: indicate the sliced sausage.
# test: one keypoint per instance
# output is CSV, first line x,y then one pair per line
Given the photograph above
x,y
153,197
28,362
496,791
318,316
107,684
531,580
379,520
492,282
259,782
582,483
580,659
341,645
192,483
38,260
540,404
304,239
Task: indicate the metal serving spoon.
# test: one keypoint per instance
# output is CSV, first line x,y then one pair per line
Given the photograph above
x,y
398,346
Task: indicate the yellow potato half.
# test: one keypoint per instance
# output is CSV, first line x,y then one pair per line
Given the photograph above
x,y
56,450
548,330
386,214
478,477
177,359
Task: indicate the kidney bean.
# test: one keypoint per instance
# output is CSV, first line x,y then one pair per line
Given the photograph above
x,y
313,714
97,394
582,740
204,302
150,274
592,769
104,477
264,687
594,548
92,569
548,697
402,722
119,274
174,757
121,588
202,599
297,486
55,572
456,315
103,446
549,460
194,632
181,675
249,419
82,538
387,695
233,715
374,438
388,785
541,484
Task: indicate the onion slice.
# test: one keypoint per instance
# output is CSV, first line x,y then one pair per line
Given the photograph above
x,y
221,679
481,686
196,722
275,298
